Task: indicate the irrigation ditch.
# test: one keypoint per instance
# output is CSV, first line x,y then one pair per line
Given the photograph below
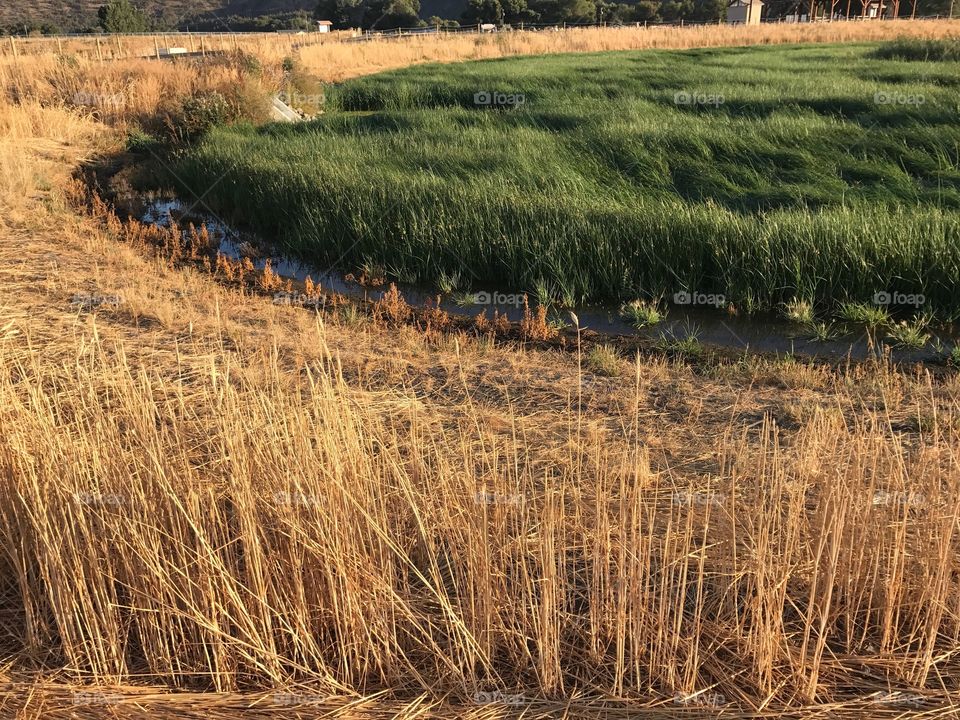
x,y
122,194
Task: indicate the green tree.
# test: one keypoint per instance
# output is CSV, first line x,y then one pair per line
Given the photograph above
x,y
120,16
484,11
572,11
342,13
390,14
370,14
674,10
708,10
437,21
646,10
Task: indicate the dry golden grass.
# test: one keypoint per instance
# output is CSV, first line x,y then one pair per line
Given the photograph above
x,y
200,491
336,62
272,511
136,90
127,47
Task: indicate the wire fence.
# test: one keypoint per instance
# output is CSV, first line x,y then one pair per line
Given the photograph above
x,y
482,28
165,45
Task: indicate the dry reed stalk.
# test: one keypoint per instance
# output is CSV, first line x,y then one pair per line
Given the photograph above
x,y
246,531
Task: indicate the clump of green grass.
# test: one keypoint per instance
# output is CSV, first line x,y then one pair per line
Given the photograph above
x,y
556,321
552,294
799,311
873,316
685,344
464,298
543,293
954,358
603,360
689,347
944,49
824,331
350,315
642,313
448,282
909,334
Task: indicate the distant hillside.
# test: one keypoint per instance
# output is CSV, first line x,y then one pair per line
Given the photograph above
x,y
74,15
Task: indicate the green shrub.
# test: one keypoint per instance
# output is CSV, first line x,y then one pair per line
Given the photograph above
x,y
196,115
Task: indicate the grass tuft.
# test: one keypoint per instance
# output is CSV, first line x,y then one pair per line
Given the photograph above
x,y
603,360
799,311
642,313
872,316
909,334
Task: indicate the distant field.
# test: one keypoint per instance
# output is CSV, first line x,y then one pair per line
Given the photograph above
x,y
763,173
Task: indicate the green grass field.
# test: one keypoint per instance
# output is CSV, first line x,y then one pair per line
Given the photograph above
x,y
817,172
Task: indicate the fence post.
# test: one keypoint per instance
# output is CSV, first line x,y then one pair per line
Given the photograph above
x,y
59,46
119,47
156,46
13,44
99,52
203,47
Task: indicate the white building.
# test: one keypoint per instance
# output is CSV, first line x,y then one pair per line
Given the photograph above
x,y
745,12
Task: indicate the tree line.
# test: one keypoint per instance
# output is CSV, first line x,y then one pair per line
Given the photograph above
x,y
389,14
122,16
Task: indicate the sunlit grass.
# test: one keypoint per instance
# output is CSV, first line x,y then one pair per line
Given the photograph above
x,y
873,316
642,313
799,311
909,334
